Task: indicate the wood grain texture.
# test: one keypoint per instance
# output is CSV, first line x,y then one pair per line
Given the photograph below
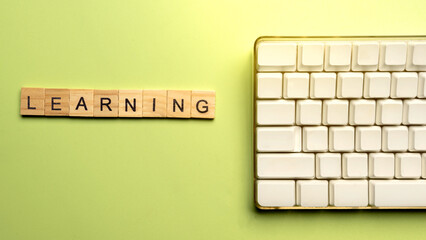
x,y
32,101
130,103
105,103
154,103
178,104
81,102
203,104
56,102
118,103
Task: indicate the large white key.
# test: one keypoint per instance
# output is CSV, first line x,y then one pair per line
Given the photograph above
x,y
278,139
381,165
349,193
395,139
393,56
408,165
377,84
424,165
310,56
362,112
368,139
312,193
275,112
308,112
349,85
328,165
341,139
338,56
389,112
276,56
414,112
286,165
421,92
404,85
323,85
276,193
398,193
296,85
417,139
269,85
315,139
335,112
355,165
365,56
416,56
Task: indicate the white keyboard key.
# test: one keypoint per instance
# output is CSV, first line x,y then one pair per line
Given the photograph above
x,y
349,193
393,56
377,84
276,56
308,112
414,112
278,139
312,193
408,165
296,85
362,112
424,165
338,56
335,112
275,112
416,56
389,112
269,85
286,165
315,139
381,165
417,139
395,139
398,193
368,139
404,85
365,56
310,56
328,165
421,92
276,193
349,85
355,165
341,139
323,85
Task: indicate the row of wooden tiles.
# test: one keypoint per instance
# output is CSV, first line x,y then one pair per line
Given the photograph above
x,y
118,103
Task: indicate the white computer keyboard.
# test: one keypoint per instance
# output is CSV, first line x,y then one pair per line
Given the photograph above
x,y
340,122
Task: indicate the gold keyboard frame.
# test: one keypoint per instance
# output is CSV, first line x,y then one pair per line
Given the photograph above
x,y
311,38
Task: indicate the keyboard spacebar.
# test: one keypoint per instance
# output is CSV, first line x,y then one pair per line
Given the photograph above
x,y
398,193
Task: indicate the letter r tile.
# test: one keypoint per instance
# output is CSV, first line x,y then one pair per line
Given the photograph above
x,y
105,103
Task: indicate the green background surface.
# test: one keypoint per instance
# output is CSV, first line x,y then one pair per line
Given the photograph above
x,y
63,178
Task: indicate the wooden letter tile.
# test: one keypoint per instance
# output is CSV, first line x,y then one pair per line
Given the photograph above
x,y
32,101
105,103
203,104
81,102
154,103
178,104
130,103
56,102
